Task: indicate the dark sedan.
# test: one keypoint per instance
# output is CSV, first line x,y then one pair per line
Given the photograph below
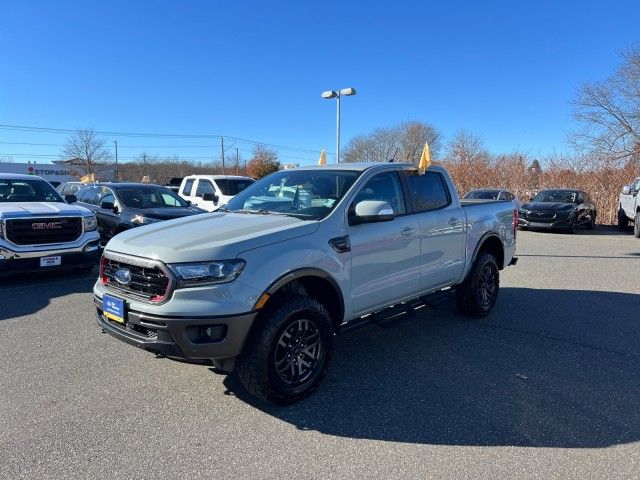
x,y
558,210
121,206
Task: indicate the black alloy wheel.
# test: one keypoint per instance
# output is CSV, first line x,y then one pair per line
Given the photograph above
x,y
488,286
299,352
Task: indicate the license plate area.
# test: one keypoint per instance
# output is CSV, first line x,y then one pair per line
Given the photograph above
x,y
113,308
51,261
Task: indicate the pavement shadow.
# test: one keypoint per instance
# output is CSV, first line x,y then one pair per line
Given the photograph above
x,y
607,230
548,368
26,294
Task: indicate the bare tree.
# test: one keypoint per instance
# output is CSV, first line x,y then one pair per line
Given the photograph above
x,y
88,149
403,143
6,159
609,113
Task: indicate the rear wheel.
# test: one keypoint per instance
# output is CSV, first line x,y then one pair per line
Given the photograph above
x,y
636,225
478,293
623,221
288,351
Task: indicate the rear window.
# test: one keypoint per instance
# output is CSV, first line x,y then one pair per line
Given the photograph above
x,y
233,186
429,191
482,195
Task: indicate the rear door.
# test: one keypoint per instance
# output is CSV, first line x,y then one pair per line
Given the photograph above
x,y
108,219
442,232
384,255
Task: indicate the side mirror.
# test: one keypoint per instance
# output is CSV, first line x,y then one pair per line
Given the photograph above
x,y
107,206
188,202
210,197
70,198
626,190
531,199
370,211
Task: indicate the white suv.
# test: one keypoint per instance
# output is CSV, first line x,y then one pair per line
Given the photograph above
x,y
211,191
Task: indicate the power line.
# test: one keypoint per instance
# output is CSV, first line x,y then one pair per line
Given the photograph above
x,y
25,128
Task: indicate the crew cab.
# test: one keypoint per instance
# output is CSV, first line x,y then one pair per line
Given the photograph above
x,y
629,209
262,285
39,230
211,191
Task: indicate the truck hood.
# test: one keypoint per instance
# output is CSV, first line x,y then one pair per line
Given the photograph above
x,y
208,236
169,212
21,209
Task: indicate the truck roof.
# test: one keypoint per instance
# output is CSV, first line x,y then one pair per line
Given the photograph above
x,y
19,176
359,167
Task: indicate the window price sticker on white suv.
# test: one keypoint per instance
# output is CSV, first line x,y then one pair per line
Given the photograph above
x,y
52,261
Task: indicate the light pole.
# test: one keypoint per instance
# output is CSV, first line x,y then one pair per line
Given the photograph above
x,y
333,94
115,142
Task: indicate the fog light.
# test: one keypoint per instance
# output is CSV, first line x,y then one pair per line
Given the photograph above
x,y
206,333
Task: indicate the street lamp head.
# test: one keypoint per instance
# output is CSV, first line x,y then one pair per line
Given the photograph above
x,y
348,91
329,94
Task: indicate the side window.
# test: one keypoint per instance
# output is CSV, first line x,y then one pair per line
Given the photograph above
x,y
188,185
429,191
90,196
106,195
385,187
170,200
580,198
204,186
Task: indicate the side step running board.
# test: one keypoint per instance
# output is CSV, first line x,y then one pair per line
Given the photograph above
x,y
396,314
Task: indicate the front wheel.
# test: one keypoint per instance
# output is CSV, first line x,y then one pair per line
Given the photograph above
x,y
636,225
592,221
287,351
572,225
478,293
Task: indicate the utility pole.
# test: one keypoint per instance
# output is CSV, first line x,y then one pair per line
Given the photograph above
x,y
115,142
222,140
237,163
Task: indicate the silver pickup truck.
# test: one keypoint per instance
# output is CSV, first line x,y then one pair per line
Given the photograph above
x,y
263,284
40,231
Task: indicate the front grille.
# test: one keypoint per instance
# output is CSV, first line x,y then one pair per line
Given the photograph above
x,y
540,216
43,231
150,283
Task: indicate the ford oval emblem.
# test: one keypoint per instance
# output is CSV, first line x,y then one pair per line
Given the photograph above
x,y
123,276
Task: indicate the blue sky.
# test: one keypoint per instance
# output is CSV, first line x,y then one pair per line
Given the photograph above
x,y
503,70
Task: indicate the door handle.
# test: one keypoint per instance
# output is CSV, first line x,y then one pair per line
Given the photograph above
x,y
407,231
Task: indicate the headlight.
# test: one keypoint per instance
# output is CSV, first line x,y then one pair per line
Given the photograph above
x,y
207,273
89,223
142,220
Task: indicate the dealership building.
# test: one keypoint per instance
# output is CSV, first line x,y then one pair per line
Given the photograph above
x,y
59,171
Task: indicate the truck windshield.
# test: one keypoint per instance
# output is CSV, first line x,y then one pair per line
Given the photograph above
x,y
27,191
305,194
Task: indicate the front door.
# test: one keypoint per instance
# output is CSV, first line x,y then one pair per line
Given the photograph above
x,y
384,255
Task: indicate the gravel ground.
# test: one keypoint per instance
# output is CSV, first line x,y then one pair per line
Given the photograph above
x,y
547,387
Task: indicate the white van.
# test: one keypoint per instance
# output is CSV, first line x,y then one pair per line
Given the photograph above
x,y
211,191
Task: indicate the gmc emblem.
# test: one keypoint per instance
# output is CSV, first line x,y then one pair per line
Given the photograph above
x,y
46,226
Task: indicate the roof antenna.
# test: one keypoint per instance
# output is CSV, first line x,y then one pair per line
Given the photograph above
x,y
393,159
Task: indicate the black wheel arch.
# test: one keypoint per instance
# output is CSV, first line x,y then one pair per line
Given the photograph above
x,y
489,243
313,282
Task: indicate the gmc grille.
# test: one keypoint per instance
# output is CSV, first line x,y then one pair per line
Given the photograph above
x,y
43,231
149,283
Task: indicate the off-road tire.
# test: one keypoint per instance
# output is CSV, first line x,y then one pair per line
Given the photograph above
x,y
471,301
256,366
623,221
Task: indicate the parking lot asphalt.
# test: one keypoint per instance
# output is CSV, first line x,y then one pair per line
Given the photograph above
x,y
548,386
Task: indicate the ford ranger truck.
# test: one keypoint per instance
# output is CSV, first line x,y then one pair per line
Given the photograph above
x,y
40,231
261,286
629,209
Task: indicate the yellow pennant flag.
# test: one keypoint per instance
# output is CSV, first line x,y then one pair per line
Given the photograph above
x,y
323,158
425,159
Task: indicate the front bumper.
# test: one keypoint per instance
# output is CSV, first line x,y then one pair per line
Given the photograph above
x,y
29,261
555,225
180,337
